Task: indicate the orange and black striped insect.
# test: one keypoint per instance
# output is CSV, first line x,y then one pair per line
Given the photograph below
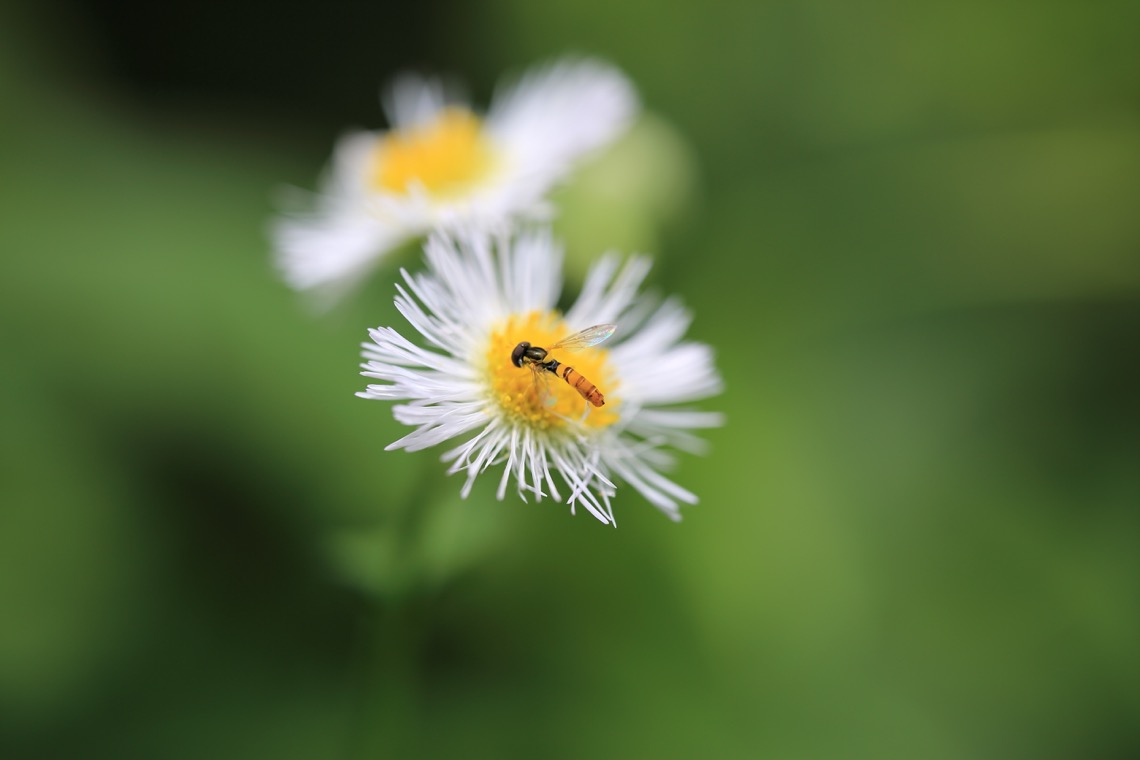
x,y
526,355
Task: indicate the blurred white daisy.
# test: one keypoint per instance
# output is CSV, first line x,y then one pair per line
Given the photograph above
x,y
441,165
482,296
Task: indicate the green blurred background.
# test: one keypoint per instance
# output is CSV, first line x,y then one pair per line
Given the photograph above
x,y
912,232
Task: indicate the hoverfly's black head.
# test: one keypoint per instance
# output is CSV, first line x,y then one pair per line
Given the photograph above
x,y
525,350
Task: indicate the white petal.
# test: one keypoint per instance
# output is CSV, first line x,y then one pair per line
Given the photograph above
x,y
413,99
331,254
556,114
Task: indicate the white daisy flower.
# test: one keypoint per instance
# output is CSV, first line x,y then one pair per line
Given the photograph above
x,y
440,166
480,298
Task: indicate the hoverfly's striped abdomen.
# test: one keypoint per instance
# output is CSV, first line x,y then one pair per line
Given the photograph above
x,y
575,380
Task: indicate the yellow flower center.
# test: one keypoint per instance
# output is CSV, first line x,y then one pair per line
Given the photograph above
x,y
532,395
445,155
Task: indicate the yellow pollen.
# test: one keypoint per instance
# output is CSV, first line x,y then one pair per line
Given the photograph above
x,y
539,398
445,155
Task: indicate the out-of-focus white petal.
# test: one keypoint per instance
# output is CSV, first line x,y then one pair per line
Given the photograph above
x,y
413,99
557,113
330,254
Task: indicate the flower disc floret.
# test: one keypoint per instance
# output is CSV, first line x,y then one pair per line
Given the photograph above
x,y
444,156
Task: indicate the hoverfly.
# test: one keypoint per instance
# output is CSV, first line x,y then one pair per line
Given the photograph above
x,y
526,355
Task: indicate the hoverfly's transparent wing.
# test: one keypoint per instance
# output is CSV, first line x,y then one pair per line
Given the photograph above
x,y
591,336
542,385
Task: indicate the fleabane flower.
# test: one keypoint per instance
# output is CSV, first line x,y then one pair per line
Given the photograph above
x,y
463,380
440,165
